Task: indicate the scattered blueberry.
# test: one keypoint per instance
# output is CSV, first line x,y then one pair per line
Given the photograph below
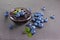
x,y
40,25
37,12
52,17
29,24
33,27
39,18
43,8
36,15
42,14
46,20
6,14
33,19
37,21
42,20
33,31
11,26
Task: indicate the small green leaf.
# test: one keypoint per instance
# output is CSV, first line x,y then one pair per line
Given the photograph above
x,y
27,29
29,35
15,12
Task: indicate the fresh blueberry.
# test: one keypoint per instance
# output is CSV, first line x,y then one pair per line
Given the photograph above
x,y
22,13
11,26
17,15
36,15
29,24
42,14
42,20
40,25
33,27
39,13
52,17
35,23
6,14
39,18
46,20
33,31
33,19
43,8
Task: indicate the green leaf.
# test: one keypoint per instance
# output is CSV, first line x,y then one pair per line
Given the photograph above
x,y
29,35
15,12
27,29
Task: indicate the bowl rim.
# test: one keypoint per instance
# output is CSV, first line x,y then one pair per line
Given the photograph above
x,y
20,20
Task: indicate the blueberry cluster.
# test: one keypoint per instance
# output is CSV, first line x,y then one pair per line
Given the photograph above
x,y
32,28
38,19
43,8
37,22
19,13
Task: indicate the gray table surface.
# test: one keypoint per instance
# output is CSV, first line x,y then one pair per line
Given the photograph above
x,y
51,30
